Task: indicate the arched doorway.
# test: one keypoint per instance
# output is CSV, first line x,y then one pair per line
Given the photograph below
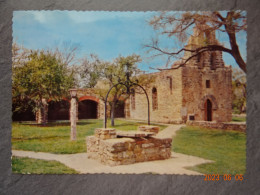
x,y
58,110
87,109
208,110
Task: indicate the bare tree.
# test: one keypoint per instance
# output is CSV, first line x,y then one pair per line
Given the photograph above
x,y
66,52
90,70
179,26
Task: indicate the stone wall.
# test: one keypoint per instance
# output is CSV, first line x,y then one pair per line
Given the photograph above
x,y
111,149
169,98
220,125
186,95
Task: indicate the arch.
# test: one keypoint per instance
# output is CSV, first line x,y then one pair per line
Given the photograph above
x,y
93,98
212,99
154,99
58,110
208,110
87,109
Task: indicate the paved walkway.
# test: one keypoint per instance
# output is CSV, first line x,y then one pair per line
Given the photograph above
x,y
80,162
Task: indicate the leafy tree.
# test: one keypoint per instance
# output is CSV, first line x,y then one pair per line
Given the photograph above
x,y
114,73
239,91
41,76
179,26
90,71
102,75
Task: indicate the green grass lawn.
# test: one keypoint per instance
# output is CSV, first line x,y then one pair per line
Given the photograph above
x,y
36,166
226,148
55,137
238,119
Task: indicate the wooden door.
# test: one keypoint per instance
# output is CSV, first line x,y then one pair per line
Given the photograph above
x,y
208,110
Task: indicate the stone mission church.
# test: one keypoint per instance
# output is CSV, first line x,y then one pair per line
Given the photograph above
x,y
200,90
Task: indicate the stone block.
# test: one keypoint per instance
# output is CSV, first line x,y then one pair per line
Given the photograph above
x,y
149,128
105,133
134,134
148,145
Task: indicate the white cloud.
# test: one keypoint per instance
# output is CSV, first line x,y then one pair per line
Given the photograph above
x,y
81,16
40,16
93,16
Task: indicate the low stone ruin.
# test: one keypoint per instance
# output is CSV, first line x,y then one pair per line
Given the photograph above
x,y
112,147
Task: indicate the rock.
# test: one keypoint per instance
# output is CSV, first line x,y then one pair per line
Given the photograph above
x,y
149,128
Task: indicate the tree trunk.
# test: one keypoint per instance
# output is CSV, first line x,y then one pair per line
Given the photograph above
x,y
42,112
233,42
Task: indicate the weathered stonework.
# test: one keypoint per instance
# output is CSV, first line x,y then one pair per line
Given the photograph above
x,y
112,149
220,125
149,128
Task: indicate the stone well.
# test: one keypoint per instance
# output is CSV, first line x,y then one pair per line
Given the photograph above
x,y
112,147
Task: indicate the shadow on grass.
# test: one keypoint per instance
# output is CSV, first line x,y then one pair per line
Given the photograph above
x,y
125,124
38,138
55,123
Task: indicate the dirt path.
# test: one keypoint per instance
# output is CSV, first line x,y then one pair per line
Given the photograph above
x,y
81,163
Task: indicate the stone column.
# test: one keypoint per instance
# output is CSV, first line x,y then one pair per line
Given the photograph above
x,y
73,119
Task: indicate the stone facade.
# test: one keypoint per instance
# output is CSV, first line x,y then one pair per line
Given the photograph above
x,y
182,95
166,107
113,147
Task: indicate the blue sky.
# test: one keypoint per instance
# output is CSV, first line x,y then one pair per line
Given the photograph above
x,y
107,34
